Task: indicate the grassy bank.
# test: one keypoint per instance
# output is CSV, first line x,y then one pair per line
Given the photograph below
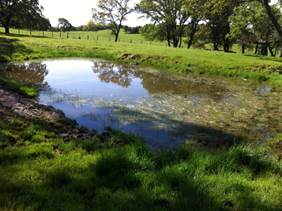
x,y
39,170
42,169
19,48
25,90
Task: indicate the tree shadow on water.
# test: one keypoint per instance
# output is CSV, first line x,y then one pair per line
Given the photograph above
x,y
175,132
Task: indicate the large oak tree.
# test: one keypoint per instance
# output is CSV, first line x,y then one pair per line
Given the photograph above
x,y
171,14
113,13
21,9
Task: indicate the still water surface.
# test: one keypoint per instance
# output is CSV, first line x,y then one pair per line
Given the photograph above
x,y
164,109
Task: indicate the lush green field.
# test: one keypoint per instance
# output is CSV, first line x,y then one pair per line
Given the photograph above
x,y
18,48
40,170
103,35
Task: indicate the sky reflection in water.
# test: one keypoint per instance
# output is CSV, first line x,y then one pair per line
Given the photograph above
x,y
164,109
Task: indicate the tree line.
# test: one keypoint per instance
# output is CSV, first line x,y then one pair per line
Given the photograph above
x,y
250,23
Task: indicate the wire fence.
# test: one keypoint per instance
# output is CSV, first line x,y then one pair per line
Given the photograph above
x,y
82,35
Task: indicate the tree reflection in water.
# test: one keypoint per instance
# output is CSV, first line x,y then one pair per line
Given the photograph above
x,y
29,73
111,73
157,82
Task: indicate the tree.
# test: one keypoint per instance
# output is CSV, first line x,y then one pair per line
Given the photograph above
x,y
64,25
154,32
241,26
195,9
90,26
216,14
250,24
112,13
273,18
132,30
21,9
171,14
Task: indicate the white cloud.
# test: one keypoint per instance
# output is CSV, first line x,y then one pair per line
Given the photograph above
x,y
77,12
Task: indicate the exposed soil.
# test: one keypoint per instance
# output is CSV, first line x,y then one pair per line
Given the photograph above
x,y
13,104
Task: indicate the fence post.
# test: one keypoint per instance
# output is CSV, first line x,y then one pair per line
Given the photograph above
x,y
30,33
67,35
87,37
52,34
43,33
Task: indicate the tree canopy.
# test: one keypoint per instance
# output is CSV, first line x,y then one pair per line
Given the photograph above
x,y
64,25
112,13
19,12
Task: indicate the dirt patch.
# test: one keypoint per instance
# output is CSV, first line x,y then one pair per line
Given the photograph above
x,y
30,109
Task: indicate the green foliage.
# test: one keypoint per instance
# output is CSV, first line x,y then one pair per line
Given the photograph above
x,y
153,32
21,13
112,13
64,25
250,24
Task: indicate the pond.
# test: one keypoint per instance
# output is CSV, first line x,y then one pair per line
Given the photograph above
x,y
165,109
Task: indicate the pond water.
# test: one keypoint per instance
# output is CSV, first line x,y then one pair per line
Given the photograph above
x,y
166,110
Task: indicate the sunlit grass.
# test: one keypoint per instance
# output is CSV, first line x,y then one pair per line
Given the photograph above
x,y
40,170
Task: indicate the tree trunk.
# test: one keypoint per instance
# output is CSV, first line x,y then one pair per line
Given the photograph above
x,y
168,36
7,29
264,49
226,45
193,32
215,46
175,42
116,37
273,18
257,47
243,47
180,42
215,39
271,51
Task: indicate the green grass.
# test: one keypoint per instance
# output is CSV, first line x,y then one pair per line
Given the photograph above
x,y
196,61
27,91
103,35
41,171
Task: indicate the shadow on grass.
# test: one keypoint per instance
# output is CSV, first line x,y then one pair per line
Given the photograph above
x,y
270,58
122,179
10,47
110,184
22,35
50,173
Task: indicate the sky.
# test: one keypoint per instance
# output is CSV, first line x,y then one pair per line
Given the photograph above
x,y
78,12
